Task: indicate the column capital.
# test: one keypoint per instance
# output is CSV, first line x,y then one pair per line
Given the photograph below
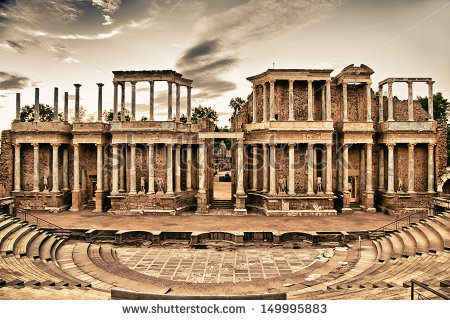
x,y
309,80
410,83
170,144
329,145
121,83
178,146
169,83
272,81
150,144
291,81
115,83
254,145
133,83
328,81
189,145
35,144
77,85
99,145
390,145
430,83
132,145
310,145
16,145
411,145
114,145
152,83
273,145
369,145
292,144
101,84
55,145
431,145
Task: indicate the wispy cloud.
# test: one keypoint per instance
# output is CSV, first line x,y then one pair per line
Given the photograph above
x,y
12,81
108,7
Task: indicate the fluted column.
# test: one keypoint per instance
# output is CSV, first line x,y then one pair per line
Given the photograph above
x,y
115,169
17,106
345,168
265,168
410,101
201,166
100,102
36,167
369,186
189,104
55,105
151,168
122,101
369,101
133,100
323,109
132,168
310,189
380,104
169,168
152,100
240,165
36,105
291,100
329,170
390,103
55,166
381,169
411,167
105,170
76,167
272,100
17,167
264,102
169,100
122,167
189,167
390,188
291,185
116,94
255,167
310,101
431,167
99,167
178,167
66,106
177,102
77,102
344,98
254,104
273,190
430,100
328,88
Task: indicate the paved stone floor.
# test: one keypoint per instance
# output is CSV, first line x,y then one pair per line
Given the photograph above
x,y
212,266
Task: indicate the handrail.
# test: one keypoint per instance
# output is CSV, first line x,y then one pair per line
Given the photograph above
x,y
39,222
424,286
399,223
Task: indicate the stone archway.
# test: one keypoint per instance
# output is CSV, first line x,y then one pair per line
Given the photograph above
x,y
442,180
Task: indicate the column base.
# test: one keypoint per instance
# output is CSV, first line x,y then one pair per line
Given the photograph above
x,y
132,192
151,192
76,201
202,202
98,201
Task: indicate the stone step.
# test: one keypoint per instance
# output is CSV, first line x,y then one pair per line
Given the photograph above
x,y
421,240
7,247
434,238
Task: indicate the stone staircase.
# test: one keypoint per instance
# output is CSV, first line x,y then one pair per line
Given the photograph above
x,y
221,204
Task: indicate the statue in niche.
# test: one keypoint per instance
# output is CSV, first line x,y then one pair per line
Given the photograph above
x,y
222,150
159,186
142,185
282,185
46,176
319,185
400,186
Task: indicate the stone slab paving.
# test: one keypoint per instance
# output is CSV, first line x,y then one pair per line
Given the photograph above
x,y
212,266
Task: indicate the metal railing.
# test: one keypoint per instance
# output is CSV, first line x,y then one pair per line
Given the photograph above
x,y
421,296
396,225
39,222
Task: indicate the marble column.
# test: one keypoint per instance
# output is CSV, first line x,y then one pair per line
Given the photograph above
x,y
291,184
99,191
100,102
310,189
323,110
169,100
381,169
17,167
151,168
152,100
36,167
76,167
344,99
345,168
390,103
55,105
132,168
431,167
178,167
264,102
201,166
272,100
254,104
411,167
36,105
410,101
77,102
189,167
17,106
105,168
369,101
310,101
240,166
328,88
122,167
189,111
122,101
177,102
380,104
133,100
265,172
169,169
369,186
329,170
430,100
390,188
291,100
254,167
55,167
272,186
116,94
115,169
66,106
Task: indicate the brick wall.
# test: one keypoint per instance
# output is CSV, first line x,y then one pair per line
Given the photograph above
x,y
6,164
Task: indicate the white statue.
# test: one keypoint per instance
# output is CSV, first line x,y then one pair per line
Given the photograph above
x,y
319,184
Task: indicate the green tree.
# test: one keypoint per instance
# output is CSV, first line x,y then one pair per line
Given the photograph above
x,y
440,106
45,113
236,104
204,112
108,115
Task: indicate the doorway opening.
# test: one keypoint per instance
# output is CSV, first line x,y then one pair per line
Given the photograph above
x,y
354,188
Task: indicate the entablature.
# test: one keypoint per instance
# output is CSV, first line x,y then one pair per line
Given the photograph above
x,y
290,126
291,74
408,126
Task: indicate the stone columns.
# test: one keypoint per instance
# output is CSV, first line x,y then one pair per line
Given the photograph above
x,y
55,105
177,102
254,167
328,88
76,195
431,167
17,167
55,166
323,111
77,102
291,100
36,105
178,168
240,166
411,167
100,102
310,189
115,100
66,106
151,168
99,191
201,166
105,171
265,168
169,169
17,106
369,186
189,167
272,100
169,100
310,101
36,167
380,104
273,189
390,103
381,169
122,167
410,101
291,183
133,100
369,101
430,100
122,101
264,102
66,169
329,170
390,188
115,169
132,168
254,104
152,100
344,98
189,111
345,168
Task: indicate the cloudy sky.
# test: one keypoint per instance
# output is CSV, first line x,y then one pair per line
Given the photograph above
x,y
217,43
